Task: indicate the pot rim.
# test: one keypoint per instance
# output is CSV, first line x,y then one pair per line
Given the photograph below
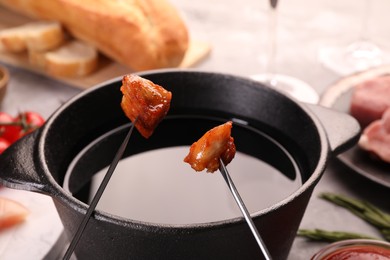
x,y
82,207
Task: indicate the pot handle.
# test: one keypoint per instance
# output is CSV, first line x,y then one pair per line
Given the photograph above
x,y
342,129
17,166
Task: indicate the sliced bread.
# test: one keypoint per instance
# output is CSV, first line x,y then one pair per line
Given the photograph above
x,y
37,36
72,59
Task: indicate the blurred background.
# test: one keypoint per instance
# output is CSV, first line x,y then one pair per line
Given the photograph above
x,y
238,35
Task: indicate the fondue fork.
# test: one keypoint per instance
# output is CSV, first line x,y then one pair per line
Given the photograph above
x,y
244,210
98,194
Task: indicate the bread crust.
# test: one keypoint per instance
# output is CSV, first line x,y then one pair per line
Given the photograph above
x,y
141,34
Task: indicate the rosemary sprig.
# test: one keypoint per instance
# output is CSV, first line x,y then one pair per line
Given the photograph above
x,y
363,210
330,236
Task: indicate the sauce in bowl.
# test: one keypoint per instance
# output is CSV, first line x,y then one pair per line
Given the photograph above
x,y
355,249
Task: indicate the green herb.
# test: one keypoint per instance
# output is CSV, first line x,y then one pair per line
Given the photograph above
x,y
363,210
330,236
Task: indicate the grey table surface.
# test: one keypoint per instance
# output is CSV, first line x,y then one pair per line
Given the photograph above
x,y
237,32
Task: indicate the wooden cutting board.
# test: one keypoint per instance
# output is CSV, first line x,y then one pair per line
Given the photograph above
x,y
108,69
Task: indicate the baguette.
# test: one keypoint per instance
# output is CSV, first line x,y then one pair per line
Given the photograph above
x,y
37,36
141,34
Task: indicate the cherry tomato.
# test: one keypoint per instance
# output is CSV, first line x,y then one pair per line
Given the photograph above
x,y
4,143
5,118
27,122
30,121
7,131
23,124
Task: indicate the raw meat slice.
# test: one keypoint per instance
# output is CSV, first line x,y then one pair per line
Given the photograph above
x,y
370,99
376,137
11,213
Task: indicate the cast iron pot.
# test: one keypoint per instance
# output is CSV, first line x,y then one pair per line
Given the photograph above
x,y
266,125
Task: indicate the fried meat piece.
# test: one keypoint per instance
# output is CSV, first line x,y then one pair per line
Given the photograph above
x,y
214,144
142,98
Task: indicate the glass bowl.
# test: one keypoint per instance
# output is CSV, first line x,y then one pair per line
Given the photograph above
x,y
352,249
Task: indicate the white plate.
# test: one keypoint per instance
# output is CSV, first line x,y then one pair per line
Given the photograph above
x,y
291,86
338,97
34,238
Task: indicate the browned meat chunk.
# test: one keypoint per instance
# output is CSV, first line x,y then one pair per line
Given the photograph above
x,y
214,144
145,100
376,137
370,99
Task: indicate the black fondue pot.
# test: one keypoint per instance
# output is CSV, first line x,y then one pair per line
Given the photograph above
x,y
267,125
